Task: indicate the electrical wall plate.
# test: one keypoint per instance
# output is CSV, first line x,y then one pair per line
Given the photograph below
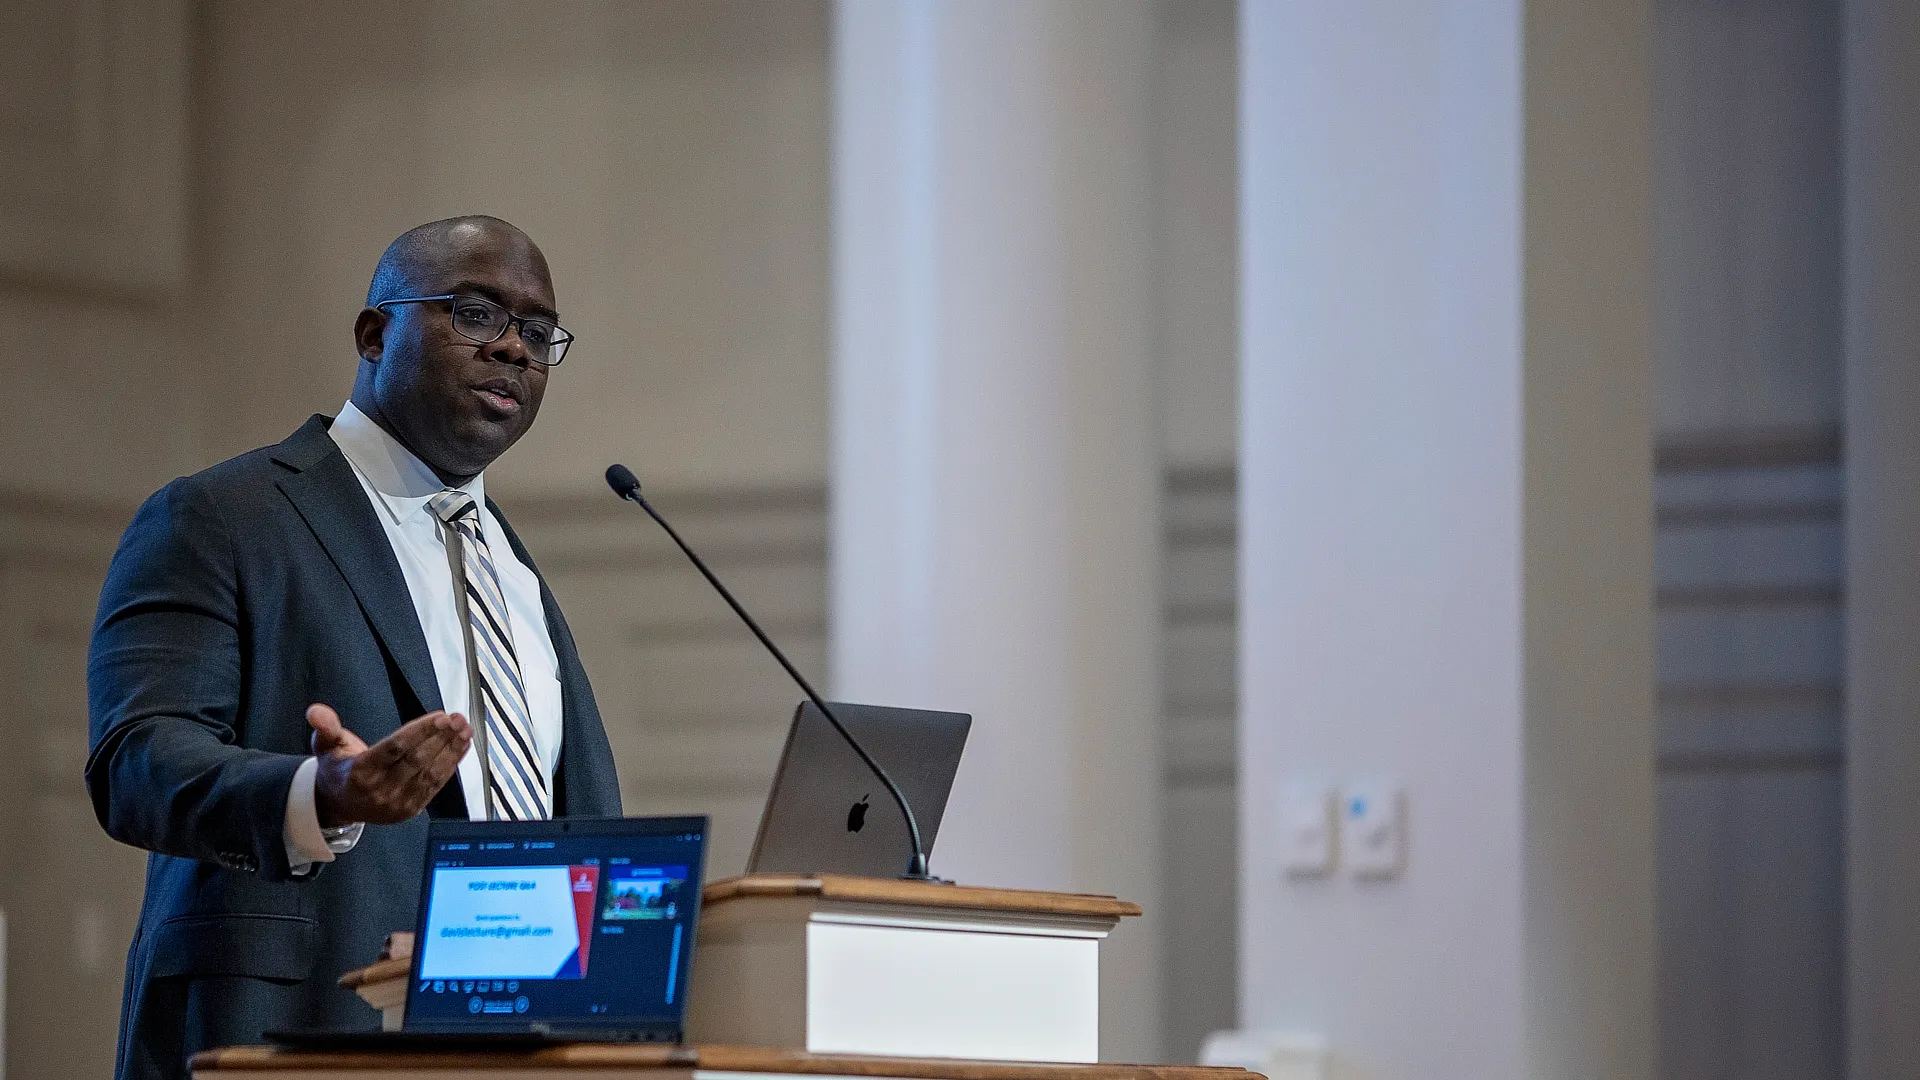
x,y
1309,828
1373,830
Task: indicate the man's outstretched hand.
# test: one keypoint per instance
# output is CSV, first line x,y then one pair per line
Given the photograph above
x,y
393,779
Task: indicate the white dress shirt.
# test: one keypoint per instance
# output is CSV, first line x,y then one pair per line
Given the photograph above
x,y
399,485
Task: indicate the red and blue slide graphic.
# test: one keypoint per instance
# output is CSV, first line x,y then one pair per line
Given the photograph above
x,y
585,886
510,922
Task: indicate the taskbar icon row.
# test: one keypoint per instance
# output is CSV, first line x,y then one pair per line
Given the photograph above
x,y
468,986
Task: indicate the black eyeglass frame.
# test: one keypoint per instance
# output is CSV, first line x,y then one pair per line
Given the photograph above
x,y
562,340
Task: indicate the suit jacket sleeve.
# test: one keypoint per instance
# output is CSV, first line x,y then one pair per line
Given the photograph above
x,y
164,677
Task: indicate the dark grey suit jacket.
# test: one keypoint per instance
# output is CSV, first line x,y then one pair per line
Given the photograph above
x,y
239,596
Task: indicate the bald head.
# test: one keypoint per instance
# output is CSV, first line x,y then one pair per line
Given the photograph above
x,y
455,402
415,259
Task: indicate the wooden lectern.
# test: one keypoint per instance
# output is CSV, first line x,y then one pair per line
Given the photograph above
x,y
824,975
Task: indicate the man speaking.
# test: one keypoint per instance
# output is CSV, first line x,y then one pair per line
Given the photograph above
x,y
304,650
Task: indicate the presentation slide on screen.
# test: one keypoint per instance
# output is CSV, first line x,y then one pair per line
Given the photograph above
x,y
510,922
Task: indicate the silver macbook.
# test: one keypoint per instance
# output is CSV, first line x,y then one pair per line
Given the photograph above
x,y
828,813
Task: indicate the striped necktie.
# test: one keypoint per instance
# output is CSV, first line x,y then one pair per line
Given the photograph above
x,y
516,784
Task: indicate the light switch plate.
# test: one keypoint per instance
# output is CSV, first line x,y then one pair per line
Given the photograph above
x,y
1373,830
1308,830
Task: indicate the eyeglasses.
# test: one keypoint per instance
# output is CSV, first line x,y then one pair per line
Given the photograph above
x,y
481,320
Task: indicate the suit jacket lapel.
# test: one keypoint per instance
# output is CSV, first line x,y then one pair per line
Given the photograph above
x,y
322,487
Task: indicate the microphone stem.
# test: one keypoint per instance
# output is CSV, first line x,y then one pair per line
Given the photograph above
x,y
917,868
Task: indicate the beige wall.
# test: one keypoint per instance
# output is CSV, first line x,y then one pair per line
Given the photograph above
x,y
681,197
670,158
93,251
104,403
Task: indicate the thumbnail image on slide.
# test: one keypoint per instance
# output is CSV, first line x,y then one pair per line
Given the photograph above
x,y
644,892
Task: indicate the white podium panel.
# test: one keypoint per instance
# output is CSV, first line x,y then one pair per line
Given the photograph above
x,y
850,966
951,992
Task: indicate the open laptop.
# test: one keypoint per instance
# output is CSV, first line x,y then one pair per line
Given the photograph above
x,y
828,813
528,933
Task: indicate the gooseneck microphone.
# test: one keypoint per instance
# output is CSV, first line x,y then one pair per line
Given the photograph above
x,y
627,486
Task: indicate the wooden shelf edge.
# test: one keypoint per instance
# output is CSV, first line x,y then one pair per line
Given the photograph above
x,y
916,894
396,962
760,885
719,1058
379,971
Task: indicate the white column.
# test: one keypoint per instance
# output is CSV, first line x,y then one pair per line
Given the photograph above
x,y
1446,541
995,485
1882,335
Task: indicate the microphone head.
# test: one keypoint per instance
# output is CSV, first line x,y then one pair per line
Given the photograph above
x,y
622,481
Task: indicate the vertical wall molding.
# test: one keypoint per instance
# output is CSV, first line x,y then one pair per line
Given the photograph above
x,y
1200,740
53,557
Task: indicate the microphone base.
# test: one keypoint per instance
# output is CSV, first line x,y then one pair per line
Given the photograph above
x,y
928,878
917,868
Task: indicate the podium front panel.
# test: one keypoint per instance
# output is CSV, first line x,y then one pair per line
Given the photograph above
x,y
953,993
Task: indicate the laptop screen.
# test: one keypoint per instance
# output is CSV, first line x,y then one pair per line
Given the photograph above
x,y
572,924
827,814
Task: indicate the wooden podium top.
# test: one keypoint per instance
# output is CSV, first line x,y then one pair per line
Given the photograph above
x,y
914,894
641,1057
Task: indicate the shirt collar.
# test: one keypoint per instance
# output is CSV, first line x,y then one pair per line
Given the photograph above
x,y
402,480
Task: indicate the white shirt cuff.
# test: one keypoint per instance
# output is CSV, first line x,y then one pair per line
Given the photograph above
x,y
308,843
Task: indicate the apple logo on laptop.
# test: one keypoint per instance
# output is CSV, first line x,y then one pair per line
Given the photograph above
x,y
857,815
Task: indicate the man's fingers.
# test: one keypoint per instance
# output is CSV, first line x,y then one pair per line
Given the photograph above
x,y
405,770
433,759
329,734
323,719
425,785
446,752
446,731
427,782
438,757
400,745
449,729
380,776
